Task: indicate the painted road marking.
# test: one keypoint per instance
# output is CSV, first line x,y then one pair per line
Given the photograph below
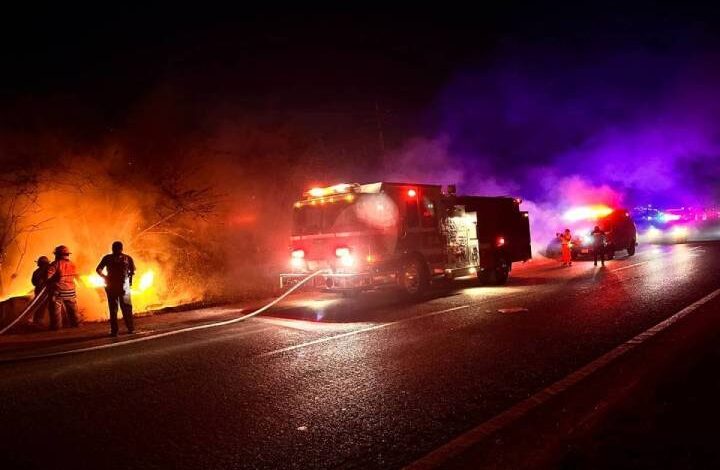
x,y
443,454
361,330
311,326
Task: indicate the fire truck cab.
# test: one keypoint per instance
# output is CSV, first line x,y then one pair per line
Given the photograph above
x,y
367,236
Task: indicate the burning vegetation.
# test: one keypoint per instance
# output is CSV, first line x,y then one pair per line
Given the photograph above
x,y
87,206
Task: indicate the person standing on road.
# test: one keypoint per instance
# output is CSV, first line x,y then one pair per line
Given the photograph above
x,y
39,279
61,275
565,240
599,240
119,271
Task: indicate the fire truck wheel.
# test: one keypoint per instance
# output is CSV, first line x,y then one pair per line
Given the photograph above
x,y
497,276
413,277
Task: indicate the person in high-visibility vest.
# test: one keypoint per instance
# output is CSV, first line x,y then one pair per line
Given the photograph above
x,y
565,240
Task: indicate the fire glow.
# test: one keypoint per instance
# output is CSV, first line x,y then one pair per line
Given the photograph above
x,y
143,291
95,281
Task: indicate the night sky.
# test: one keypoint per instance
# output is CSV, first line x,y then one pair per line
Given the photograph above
x,y
528,95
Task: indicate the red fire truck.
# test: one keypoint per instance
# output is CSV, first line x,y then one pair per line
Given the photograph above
x,y
366,236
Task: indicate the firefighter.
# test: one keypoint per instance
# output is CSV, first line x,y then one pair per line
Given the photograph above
x,y
61,277
119,271
565,240
599,241
39,279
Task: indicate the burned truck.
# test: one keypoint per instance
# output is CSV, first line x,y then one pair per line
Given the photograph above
x,y
404,235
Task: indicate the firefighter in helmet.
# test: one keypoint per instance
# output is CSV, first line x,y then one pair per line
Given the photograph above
x,y
119,270
39,279
565,240
61,275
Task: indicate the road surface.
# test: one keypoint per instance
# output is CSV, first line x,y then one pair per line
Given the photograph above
x,y
324,382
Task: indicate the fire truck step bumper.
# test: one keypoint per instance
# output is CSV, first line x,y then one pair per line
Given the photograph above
x,y
330,282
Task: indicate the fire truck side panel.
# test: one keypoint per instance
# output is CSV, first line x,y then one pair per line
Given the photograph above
x,y
522,249
503,230
418,222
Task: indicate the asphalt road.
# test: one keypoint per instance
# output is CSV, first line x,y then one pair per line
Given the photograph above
x,y
327,382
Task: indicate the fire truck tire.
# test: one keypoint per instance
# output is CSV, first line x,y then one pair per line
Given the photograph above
x,y
498,276
413,276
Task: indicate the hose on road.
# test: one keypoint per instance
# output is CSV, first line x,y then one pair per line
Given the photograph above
x,y
39,300
254,313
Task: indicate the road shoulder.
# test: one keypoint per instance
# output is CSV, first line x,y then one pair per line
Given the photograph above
x,y
574,426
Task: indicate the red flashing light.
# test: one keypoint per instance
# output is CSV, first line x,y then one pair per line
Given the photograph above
x,y
411,193
500,241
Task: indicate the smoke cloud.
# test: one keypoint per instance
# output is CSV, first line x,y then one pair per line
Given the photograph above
x,y
199,184
561,129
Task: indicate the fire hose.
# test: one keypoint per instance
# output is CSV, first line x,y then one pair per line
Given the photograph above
x,y
38,301
254,313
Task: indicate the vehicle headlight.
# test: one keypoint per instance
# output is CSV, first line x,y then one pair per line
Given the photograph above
x,y
653,233
297,259
679,232
345,256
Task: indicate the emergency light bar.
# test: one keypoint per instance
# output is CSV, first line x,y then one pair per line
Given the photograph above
x,y
341,188
597,211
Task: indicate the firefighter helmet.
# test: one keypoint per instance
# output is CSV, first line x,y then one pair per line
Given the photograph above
x,y
61,250
43,260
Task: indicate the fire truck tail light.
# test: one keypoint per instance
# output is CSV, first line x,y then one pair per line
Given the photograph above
x,y
411,193
500,241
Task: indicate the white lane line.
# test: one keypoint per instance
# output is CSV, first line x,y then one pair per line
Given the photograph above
x,y
443,454
311,326
633,265
361,330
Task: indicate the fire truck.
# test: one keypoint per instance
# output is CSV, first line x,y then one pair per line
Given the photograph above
x,y
368,236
